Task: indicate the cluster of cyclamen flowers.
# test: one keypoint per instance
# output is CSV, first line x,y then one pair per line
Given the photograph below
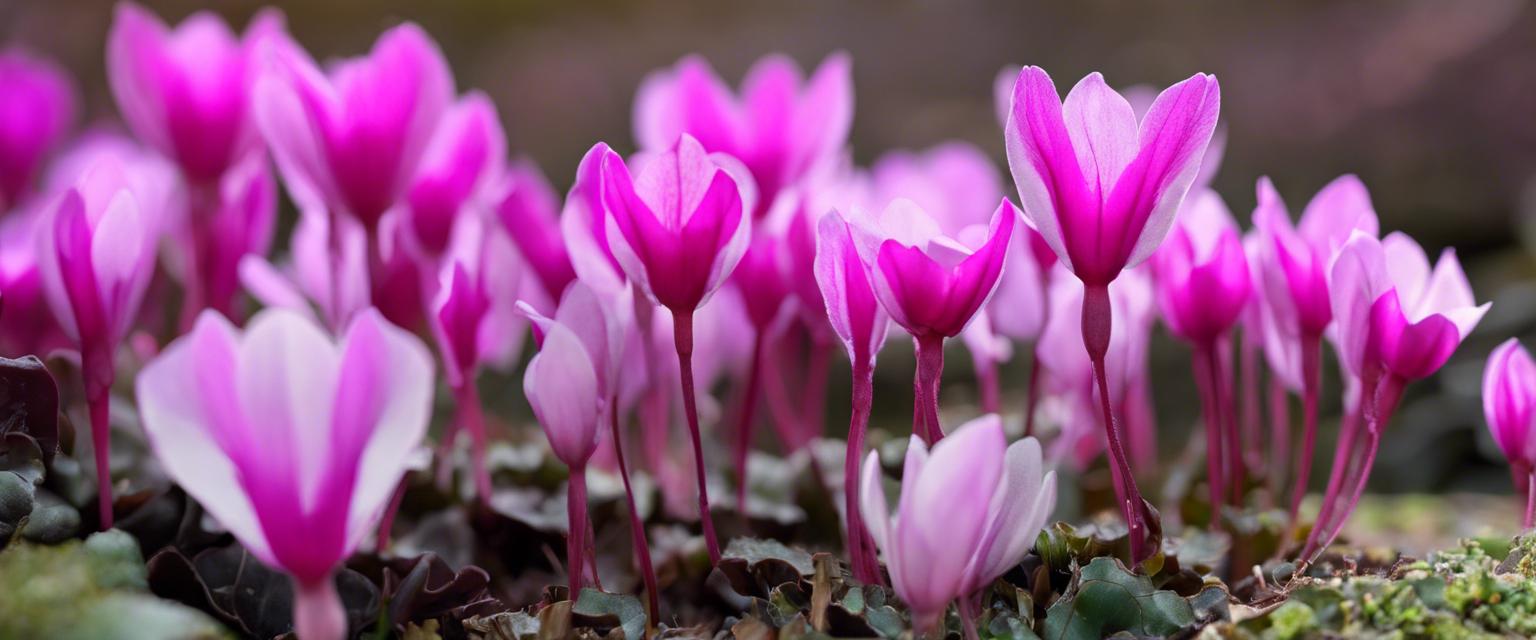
x,y
737,242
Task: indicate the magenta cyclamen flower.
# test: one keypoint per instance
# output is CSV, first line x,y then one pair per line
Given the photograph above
x,y
969,510
781,127
1202,284
186,91
1293,269
38,108
1398,320
1509,405
351,139
292,441
334,282
529,209
931,284
241,224
679,228
459,169
1103,190
858,320
96,255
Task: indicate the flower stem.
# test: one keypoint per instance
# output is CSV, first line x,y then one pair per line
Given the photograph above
x,y
1530,502
1096,333
1312,372
1214,469
317,610
1279,435
636,526
1377,414
1338,474
1252,429
99,403
818,367
682,338
986,382
1032,396
747,418
576,510
860,546
473,422
1221,376
930,367
967,618
387,521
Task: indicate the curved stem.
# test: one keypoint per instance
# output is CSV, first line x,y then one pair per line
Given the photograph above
x,y
1378,412
930,367
1252,429
1338,474
317,610
1312,372
474,423
387,521
865,568
967,618
986,382
576,510
1096,333
747,418
1221,378
818,367
1279,436
636,526
682,338
1216,477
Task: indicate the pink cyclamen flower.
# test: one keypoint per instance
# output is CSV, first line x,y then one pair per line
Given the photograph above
x,y
1398,320
186,91
96,253
38,108
1202,279
678,229
955,182
26,325
1509,405
314,279
292,440
459,170
932,284
781,127
240,225
859,321
529,210
966,510
1102,187
351,139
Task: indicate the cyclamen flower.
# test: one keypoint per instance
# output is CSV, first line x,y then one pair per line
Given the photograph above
x,y
96,253
241,224
293,441
931,284
678,230
1398,320
460,168
336,285
1509,405
186,91
857,319
529,210
1102,187
351,139
1202,284
38,108
781,127
968,511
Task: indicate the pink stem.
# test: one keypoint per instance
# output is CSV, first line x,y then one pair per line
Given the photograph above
x,y
785,418
1214,468
866,568
1279,434
1096,332
1221,375
682,337
1312,372
317,610
987,383
1388,393
747,418
818,367
967,618
576,510
1033,394
99,403
1530,503
1338,475
930,367
468,397
387,521
636,526
1252,429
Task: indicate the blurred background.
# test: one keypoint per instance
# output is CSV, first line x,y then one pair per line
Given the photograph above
x,y
1432,103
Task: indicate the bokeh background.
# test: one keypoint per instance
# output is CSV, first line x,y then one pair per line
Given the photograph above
x,y
1432,103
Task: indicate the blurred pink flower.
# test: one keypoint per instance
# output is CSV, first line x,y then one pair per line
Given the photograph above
x,y
242,224
350,140
293,441
186,91
1509,405
313,280
27,327
529,210
38,108
460,167
780,126
1201,273
955,182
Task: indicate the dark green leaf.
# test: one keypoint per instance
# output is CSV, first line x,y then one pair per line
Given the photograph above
x,y
599,608
1109,599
